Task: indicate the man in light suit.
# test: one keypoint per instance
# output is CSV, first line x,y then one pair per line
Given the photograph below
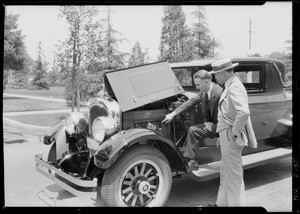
x,y
235,132
209,95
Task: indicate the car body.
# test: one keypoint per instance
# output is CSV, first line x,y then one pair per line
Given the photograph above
x,y
124,151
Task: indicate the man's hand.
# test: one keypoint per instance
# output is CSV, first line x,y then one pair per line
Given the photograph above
x,y
169,117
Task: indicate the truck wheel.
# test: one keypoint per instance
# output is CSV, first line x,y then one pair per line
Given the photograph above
x,y
140,177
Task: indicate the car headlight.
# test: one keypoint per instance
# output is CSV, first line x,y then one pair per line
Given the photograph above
x,y
75,123
104,126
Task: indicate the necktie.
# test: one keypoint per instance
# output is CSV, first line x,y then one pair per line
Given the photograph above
x,y
206,98
207,107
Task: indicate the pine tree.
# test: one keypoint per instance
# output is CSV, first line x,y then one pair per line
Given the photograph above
x,y
204,43
113,59
40,79
175,41
137,56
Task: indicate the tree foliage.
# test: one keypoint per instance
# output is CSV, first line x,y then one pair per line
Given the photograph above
x,y
81,43
14,48
180,43
21,78
40,77
137,56
203,42
174,40
112,58
289,56
91,48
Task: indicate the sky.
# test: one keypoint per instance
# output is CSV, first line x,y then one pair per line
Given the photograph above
x,y
271,26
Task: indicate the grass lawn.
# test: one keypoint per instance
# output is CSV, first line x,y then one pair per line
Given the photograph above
x,y
41,119
11,104
15,104
54,92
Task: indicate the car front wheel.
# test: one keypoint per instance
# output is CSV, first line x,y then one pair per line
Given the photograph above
x,y
140,177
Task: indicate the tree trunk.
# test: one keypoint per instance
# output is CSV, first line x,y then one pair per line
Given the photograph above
x,y
73,74
78,94
78,80
73,88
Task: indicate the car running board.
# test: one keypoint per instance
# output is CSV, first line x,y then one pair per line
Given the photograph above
x,y
212,170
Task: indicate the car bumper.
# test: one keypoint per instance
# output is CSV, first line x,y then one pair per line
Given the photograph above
x,y
76,186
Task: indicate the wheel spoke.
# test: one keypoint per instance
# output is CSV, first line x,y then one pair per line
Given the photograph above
x,y
136,172
129,175
148,195
143,169
153,187
148,172
129,196
151,178
126,190
141,198
127,183
134,200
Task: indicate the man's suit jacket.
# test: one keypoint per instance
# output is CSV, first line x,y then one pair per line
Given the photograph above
x,y
212,103
234,109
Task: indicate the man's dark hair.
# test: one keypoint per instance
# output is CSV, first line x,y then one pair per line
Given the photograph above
x,y
202,74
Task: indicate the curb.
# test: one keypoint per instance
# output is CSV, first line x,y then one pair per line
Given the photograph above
x,y
13,122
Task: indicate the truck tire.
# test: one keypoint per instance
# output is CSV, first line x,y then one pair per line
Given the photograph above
x,y
140,177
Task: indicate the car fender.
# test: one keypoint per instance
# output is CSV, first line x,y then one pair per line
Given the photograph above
x,y
57,134
48,138
112,148
287,119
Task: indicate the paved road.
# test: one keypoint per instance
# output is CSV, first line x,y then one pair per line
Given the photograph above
x,y
269,186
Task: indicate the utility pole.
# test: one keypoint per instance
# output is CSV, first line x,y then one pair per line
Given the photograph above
x,y
250,34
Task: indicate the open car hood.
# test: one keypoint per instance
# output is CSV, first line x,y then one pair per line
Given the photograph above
x,y
138,86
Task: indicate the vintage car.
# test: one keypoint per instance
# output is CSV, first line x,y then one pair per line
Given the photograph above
x,y
122,149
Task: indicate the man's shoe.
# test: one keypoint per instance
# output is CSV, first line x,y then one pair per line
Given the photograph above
x,y
193,165
212,205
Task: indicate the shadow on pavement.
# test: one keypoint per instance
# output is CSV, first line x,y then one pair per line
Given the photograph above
x,y
12,98
14,141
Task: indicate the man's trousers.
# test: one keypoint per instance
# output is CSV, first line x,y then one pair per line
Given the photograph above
x,y
232,188
195,139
